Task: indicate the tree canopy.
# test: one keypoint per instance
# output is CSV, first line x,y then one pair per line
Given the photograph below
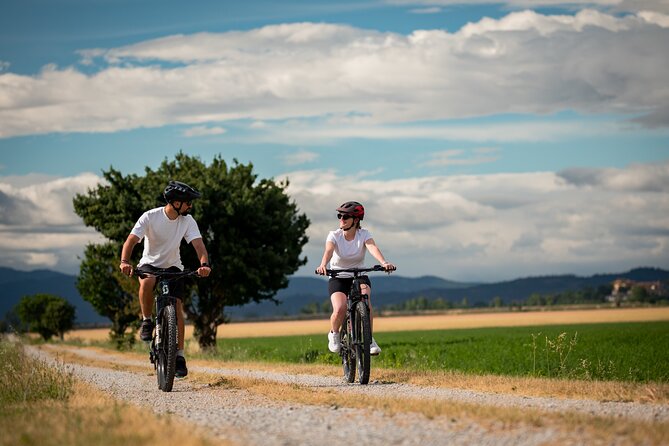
x,y
253,232
46,314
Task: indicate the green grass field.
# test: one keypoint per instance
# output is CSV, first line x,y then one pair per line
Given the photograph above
x,y
637,352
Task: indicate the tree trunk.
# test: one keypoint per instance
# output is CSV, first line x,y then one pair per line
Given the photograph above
x,y
117,329
118,335
205,333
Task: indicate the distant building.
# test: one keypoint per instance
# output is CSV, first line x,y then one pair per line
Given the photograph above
x,y
623,287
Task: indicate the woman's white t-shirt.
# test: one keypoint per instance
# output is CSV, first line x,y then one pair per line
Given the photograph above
x,y
348,254
163,237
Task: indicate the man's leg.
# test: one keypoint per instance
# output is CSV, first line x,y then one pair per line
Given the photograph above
x,y
181,369
146,296
146,306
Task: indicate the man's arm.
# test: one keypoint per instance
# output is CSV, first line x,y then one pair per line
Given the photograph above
x,y
202,254
126,253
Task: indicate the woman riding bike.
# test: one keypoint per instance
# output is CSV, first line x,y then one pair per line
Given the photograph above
x,y
346,248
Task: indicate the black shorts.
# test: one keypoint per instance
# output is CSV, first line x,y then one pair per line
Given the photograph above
x,y
343,284
177,288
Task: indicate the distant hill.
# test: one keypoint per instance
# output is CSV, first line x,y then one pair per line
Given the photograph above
x,y
396,289
16,284
302,291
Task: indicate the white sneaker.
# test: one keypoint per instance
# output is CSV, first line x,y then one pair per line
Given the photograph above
x,y
374,348
334,343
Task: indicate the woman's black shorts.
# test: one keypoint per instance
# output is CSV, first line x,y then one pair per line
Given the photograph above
x,y
343,284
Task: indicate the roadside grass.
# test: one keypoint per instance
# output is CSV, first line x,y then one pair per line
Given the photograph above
x,y
44,405
627,352
25,380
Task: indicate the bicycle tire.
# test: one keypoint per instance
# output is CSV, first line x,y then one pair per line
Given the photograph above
x,y
363,338
167,352
347,352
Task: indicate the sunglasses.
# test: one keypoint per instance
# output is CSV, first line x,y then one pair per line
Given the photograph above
x,y
343,216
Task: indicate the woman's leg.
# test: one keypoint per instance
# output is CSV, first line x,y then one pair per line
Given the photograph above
x,y
374,348
366,289
338,300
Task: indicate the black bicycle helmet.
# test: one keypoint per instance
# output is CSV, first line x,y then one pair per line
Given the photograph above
x,y
352,208
178,191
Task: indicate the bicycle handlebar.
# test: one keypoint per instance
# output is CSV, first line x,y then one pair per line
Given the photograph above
x,y
165,274
355,271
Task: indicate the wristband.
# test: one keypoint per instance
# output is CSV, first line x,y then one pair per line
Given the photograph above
x,y
205,264
125,261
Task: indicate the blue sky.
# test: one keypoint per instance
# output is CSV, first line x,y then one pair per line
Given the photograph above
x,y
506,133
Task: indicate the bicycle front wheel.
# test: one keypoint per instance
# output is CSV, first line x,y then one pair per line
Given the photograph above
x,y
363,339
347,351
167,350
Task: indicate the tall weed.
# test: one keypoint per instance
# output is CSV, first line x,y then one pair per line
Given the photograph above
x,y
555,355
554,360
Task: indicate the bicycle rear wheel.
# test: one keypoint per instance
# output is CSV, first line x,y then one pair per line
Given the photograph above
x,y
363,339
347,352
167,349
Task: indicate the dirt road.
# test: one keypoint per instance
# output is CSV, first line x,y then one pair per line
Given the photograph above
x,y
265,407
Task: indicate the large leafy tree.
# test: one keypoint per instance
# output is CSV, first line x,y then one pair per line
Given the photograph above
x,y
46,314
253,231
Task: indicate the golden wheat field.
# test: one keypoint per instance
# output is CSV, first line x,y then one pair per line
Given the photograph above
x,y
426,322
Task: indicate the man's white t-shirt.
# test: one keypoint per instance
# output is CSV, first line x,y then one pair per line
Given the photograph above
x,y
348,254
162,237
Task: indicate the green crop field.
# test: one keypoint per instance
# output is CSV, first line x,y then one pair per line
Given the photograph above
x,y
636,352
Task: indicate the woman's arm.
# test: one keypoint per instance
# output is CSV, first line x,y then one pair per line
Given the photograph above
x,y
376,252
327,255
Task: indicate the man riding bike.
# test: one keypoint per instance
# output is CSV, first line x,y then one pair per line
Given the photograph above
x,y
162,230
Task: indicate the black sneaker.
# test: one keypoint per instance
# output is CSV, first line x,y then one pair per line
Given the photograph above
x,y
181,370
146,330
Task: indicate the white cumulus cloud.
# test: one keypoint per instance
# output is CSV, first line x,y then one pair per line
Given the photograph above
x,y
501,226
523,63
38,226
202,130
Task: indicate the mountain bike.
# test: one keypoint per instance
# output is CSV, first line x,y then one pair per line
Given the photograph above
x,y
356,330
163,349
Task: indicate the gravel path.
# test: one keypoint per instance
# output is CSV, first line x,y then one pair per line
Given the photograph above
x,y
249,419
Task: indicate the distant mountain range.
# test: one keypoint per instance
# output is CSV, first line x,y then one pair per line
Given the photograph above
x,y
387,290
303,291
16,284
